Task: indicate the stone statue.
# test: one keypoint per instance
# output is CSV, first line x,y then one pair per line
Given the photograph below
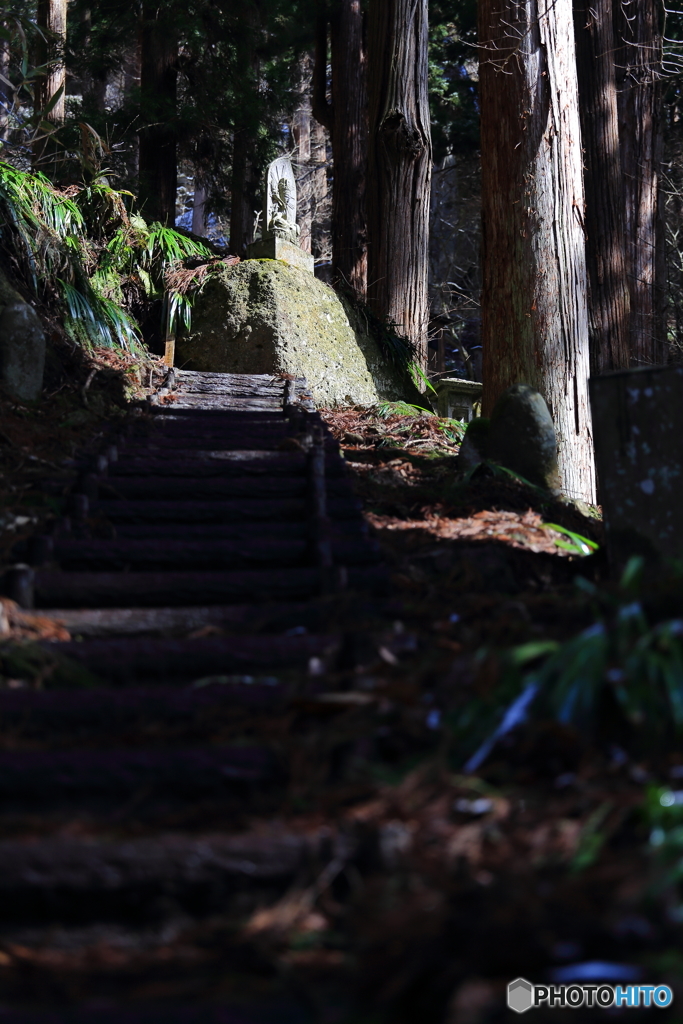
x,y
279,230
279,214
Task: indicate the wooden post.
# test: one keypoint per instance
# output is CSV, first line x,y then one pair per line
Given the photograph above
x,y
169,350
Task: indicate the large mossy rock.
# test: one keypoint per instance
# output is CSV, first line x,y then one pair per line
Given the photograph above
x,y
263,316
22,345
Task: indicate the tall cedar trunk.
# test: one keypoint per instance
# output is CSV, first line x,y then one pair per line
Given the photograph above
x,y
638,62
158,87
399,166
51,19
609,307
346,118
534,311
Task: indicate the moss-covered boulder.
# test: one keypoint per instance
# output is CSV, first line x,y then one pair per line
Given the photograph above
x,y
263,316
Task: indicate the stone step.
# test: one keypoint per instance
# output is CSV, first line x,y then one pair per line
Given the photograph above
x,y
76,881
206,553
273,464
203,488
242,510
90,715
94,780
342,531
53,589
131,661
185,619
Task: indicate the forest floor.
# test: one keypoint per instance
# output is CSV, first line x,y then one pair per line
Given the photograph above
x,y
445,885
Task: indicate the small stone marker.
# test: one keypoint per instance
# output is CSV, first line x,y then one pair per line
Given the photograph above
x,y
280,232
520,436
638,431
22,351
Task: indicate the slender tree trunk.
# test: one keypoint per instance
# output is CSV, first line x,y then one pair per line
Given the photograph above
x,y
609,307
94,86
346,118
199,210
301,130
51,19
349,148
534,310
638,62
319,165
132,69
241,213
399,166
158,87
5,89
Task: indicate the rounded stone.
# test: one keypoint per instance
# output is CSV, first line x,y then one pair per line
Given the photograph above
x,y
522,437
474,446
22,351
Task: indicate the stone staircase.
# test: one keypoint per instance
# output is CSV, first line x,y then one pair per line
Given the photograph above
x,y
148,766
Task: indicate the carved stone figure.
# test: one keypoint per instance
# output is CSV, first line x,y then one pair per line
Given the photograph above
x,y
279,231
280,205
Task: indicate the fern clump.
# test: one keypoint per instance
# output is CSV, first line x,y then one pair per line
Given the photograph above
x,y
85,257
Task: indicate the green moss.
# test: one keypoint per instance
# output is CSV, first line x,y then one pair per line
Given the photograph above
x,y
264,316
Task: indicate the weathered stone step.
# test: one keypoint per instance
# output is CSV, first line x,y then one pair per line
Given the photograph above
x,y
131,661
270,464
341,531
213,430
47,778
37,979
185,620
149,589
169,488
187,444
146,450
239,382
77,881
29,715
245,509
206,553
221,401
170,416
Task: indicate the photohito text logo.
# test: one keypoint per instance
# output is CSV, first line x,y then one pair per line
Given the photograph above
x,y
523,996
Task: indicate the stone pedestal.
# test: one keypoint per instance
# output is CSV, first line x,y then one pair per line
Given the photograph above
x,y
280,249
456,398
637,426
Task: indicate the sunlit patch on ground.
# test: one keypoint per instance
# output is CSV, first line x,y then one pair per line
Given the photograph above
x,y
525,530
